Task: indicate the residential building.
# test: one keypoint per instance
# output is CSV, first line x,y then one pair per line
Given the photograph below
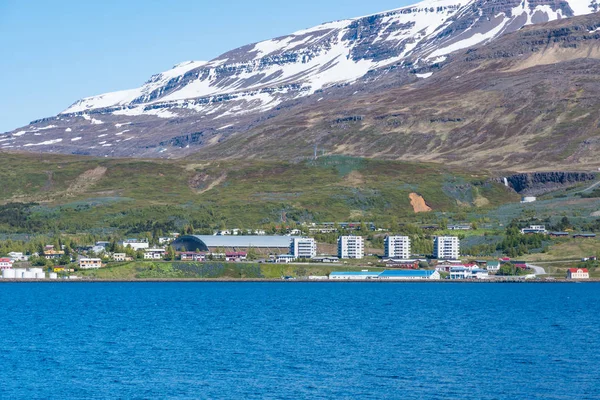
x,y
236,256
90,263
6,263
534,229
135,244
410,274
17,256
52,254
121,257
154,254
192,256
578,273
397,247
446,247
463,227
303,247
351,247
493,266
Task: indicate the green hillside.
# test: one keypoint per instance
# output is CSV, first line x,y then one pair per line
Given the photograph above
x,y
68,193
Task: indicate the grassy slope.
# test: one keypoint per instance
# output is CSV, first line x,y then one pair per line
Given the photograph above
x,y
166,270
241,193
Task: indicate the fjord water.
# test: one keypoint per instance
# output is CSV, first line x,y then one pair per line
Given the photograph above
x,y
300,340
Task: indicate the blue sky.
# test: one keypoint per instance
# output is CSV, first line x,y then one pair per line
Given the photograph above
x,y
54,52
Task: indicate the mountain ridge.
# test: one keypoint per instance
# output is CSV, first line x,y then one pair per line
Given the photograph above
x,y
197,105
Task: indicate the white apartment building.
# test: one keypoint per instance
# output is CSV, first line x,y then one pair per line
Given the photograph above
x,y
397,247
303,247
351,247
446,247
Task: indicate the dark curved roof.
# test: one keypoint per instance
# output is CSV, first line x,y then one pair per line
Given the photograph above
x,y
203,242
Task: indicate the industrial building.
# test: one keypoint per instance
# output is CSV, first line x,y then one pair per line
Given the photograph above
x,y
351,247
397,247
446,247
210,243
387,275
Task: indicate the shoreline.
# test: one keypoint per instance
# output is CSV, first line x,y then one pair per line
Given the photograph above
x,y
233,280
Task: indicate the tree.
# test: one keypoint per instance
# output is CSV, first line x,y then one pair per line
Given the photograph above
x,y
170,253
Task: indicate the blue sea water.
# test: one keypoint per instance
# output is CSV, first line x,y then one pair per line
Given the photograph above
x,y
299,340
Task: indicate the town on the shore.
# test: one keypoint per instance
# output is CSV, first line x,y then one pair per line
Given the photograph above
x,y
236,246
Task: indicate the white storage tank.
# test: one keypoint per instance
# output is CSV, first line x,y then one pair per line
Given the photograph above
x,y
53,275
8,273
28,275
36,270
40,275
19,273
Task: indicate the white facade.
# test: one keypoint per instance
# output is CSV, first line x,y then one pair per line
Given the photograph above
x,y
18,256
154,254
351,247
446,247
397,247
580,273
303,247
90,263
284,258
135,244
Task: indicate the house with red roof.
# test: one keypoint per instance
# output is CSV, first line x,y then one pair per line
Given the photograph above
x,y
6,263
578,273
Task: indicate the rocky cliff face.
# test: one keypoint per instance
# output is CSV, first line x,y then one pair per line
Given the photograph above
x,y
543,182
199,104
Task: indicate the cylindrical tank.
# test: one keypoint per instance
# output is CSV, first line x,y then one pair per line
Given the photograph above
x,y
28,275
40,275
53,275
36,270
8,273
19,273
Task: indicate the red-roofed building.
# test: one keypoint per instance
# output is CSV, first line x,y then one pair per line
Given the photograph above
x,y
578,273
6,263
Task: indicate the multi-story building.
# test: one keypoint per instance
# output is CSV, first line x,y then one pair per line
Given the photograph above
x,y
135,244
6,263
90,263
303,247
446,247
351,247
154,254
397,247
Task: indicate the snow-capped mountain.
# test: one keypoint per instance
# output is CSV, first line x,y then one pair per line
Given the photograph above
x,y
200,103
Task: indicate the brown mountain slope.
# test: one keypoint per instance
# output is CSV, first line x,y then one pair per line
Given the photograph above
x,y
527,101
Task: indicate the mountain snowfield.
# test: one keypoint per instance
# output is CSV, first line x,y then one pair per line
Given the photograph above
x,y
199,102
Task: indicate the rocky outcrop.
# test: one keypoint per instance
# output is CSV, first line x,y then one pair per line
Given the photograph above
x,y
538,183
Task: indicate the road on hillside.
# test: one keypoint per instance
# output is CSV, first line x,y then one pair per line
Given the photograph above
x,y
538,270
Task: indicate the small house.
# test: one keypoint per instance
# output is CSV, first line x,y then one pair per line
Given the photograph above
x,y
578,273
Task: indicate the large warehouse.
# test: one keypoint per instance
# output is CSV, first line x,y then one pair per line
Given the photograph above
x,y
263,244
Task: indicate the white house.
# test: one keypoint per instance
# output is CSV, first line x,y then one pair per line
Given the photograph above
x,y
154,254
578,273
303,247
351,247
446,247
397,247
18,256
90,263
